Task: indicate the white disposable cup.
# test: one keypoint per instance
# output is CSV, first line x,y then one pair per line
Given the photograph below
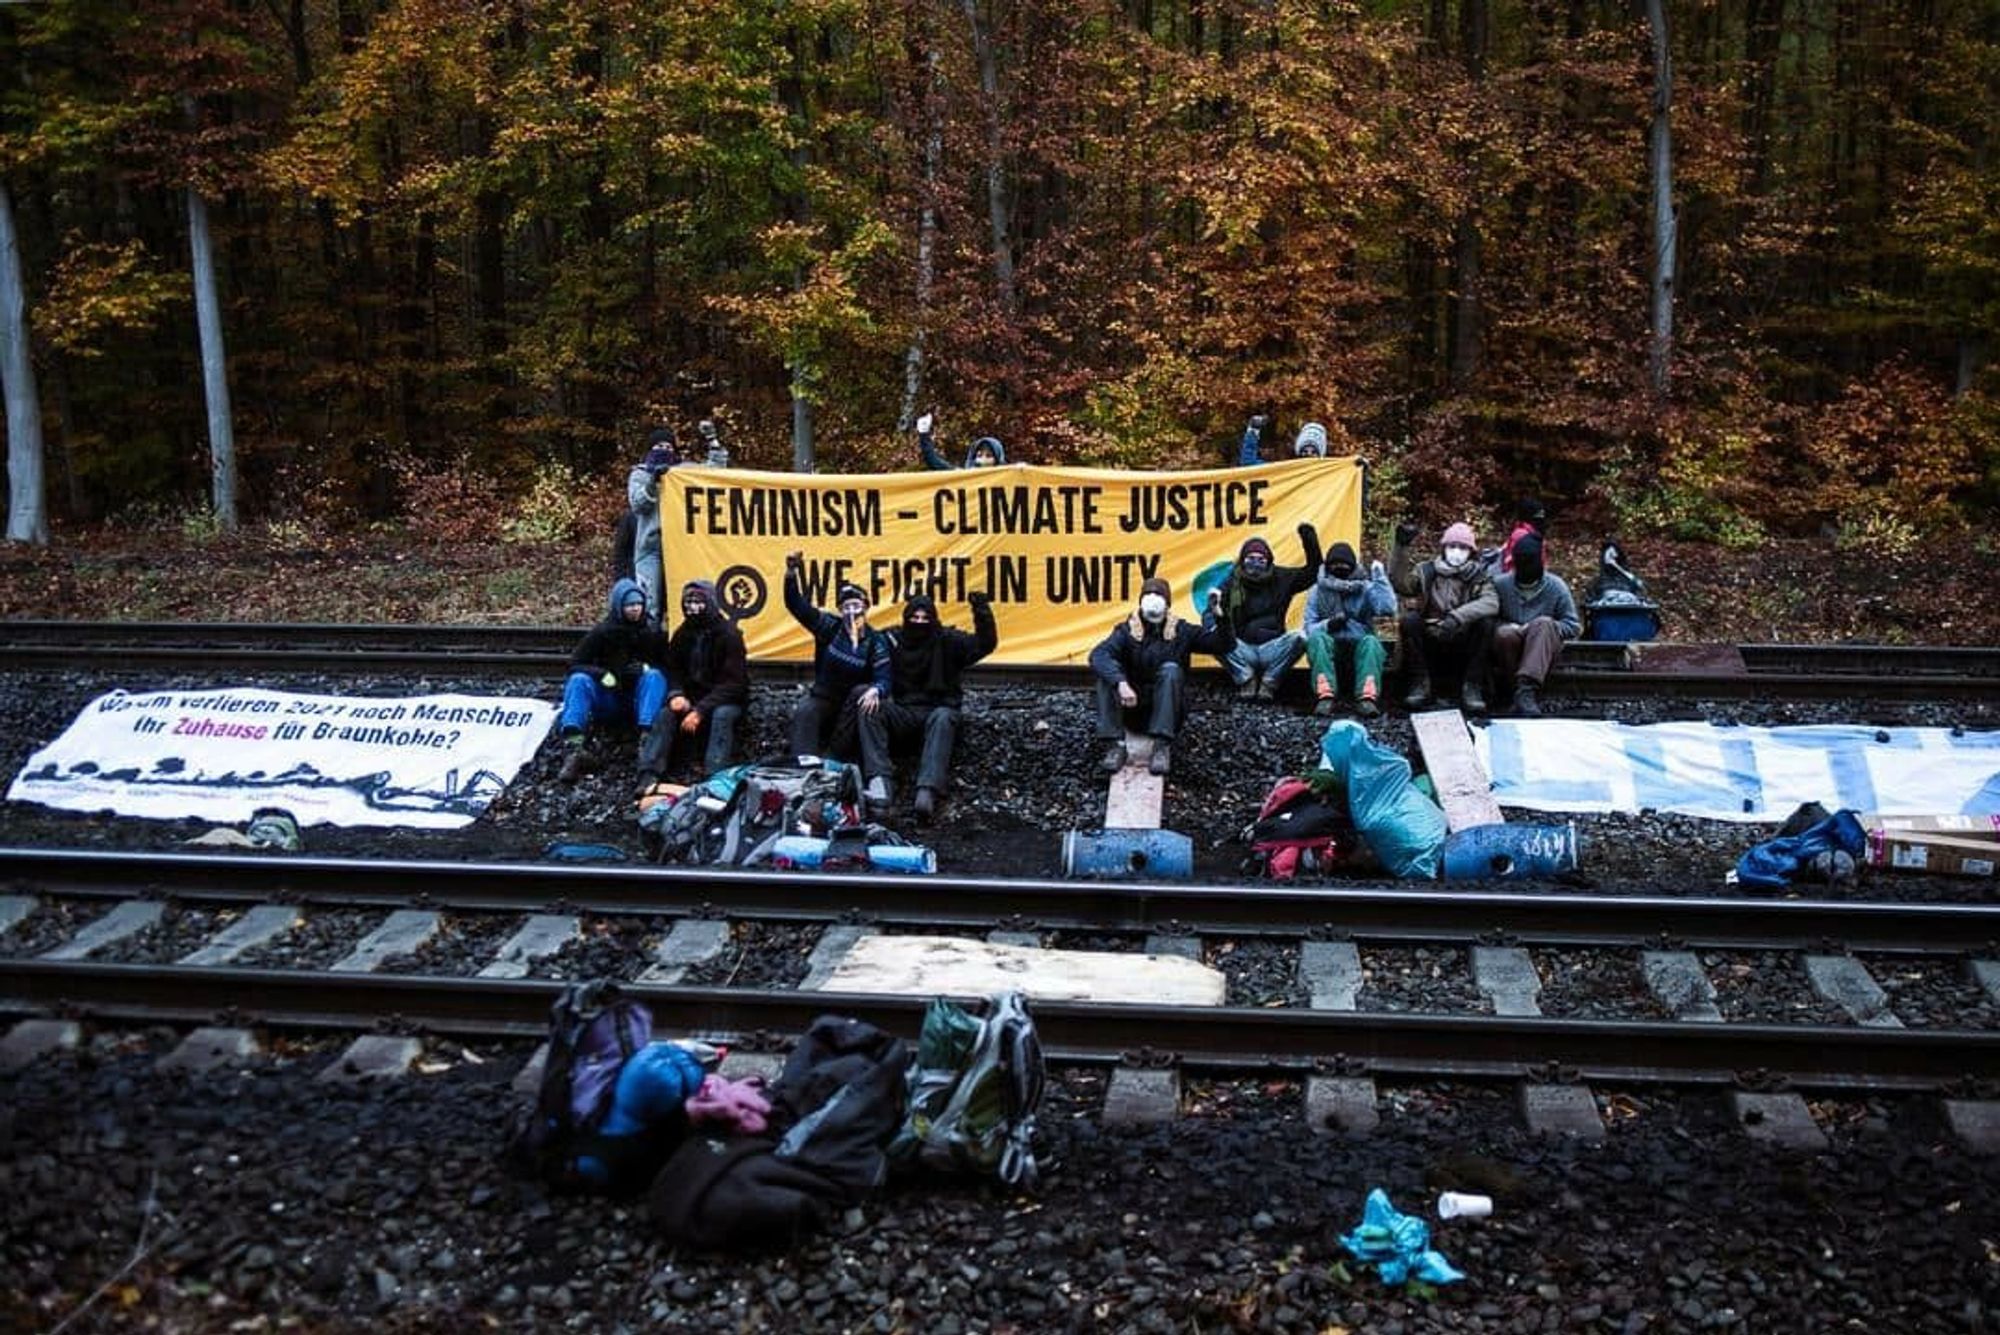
x,y
1464,1205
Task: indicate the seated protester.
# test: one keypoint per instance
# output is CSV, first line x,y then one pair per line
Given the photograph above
x,y
708,675
1257,598
1530,516
1142,667
614,673
850,659
1452,626
986,452
1537,617
1340,631
924,698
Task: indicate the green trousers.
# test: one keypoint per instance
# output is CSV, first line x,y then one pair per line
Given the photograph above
x,y
1363,658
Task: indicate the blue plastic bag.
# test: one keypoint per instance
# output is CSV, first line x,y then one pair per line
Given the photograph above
x,y
1403,827
1397,1245
1772,864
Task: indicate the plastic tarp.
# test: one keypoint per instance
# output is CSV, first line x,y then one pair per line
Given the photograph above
x,y
1403,827
1739,773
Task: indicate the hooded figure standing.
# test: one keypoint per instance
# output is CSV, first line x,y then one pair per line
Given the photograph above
x,y
1537,618
850,662
1142,667
1530,517
924,698
708,677
1257,601
986,452
642,498
1340,631
614,673
1452,626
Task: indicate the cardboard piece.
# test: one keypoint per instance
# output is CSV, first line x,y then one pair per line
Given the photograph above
x,y
1931,853
1463,789
1133,802
953,966
1985,829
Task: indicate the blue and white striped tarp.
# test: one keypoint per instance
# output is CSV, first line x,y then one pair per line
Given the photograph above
x,y
1739,774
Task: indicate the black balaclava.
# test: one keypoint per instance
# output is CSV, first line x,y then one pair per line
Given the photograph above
x,y
704,592
1534,514
1528,561
919,645
1341,563
919,632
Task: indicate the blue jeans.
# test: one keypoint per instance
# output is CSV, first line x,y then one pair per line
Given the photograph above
x,y
1272,659
586,700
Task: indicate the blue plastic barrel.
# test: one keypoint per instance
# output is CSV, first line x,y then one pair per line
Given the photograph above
x,y
1485,852
1109,855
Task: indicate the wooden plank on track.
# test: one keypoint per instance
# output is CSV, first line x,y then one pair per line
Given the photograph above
x,y
1463,789
1136,794
1692,660
953,966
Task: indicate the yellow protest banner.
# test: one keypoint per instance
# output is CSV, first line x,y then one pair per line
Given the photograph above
x,y
1061,551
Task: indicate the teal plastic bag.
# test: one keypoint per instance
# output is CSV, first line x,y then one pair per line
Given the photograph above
x,y
1403,827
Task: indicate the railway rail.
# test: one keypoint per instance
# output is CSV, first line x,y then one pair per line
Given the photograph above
x,y
1590,670
1233,1038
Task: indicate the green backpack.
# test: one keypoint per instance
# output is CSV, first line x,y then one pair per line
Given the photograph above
x,y
975,1084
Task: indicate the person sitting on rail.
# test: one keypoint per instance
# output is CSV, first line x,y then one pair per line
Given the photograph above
x,y
1340,631
1451,627
642,496
850,661
708,677
924,698
1257,599
986,452
1141,669
1537,617
614,673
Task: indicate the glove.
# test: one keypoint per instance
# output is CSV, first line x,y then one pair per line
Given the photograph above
x,y
677,704
609,681
979,599
1447,626
1258,422
1375,570
924,424
1335,620
1308,535
1126,695
1215,600
795,561
692,723
1406,533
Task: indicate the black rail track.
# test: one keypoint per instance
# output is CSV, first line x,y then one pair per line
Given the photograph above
x,y
1385,912
1232,1039
1591,670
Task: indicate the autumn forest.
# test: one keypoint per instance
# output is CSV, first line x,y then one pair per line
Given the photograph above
x,y
1724,269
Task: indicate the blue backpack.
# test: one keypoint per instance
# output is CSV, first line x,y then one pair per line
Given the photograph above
x,y
593,1030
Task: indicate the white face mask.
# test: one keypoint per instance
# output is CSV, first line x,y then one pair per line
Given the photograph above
x,y
1454,557
1153,607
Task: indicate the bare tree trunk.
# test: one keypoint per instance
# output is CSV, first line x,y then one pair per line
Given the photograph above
x,y
27,505
214,365
1666,224
802,423
1468,350
913,359
996,172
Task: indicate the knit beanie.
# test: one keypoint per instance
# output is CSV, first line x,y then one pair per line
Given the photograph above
x,y
1460,535
1159,586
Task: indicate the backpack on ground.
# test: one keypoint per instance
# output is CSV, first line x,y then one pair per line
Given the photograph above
x,y
734,818
833,1111
593,1030
975,1085
1300,828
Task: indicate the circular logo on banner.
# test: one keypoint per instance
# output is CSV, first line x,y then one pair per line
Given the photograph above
x,y
742,592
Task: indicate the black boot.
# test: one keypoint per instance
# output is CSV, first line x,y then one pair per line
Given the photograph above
x,y
1525,703
1419,695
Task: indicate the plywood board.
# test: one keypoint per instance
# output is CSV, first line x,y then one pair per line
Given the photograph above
x,y
1136,794
1695,660
950,966
1463,789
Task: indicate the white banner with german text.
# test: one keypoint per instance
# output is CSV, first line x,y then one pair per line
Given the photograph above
x,y
427,761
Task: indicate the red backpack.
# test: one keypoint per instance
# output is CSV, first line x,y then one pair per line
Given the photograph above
x,y
1299,829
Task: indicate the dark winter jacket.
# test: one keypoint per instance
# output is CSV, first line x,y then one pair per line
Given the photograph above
x,y
1466,593
1135,648
616,646
840,663
1547,597
927,446
1258,609
926,668
707,663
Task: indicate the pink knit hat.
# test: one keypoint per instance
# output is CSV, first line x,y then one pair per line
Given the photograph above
x,y
1459,535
